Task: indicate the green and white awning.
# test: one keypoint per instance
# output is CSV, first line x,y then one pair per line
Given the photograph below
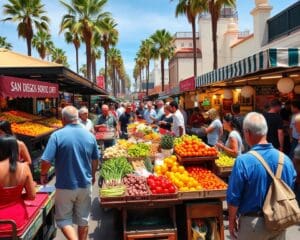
x,y
267,59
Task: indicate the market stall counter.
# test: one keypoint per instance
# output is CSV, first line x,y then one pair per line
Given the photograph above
x,y
40,223
142,191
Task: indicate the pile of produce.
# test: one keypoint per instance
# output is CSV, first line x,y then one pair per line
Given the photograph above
x,y
52,122
192,146
136,185
24,115
112,191
167,142
114,169
144,129
115,151
177,175
206,178
124,144
139,150
224,160
30,129
153,136
160,185
12,118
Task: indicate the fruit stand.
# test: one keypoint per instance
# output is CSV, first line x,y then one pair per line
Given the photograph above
x,y
149,194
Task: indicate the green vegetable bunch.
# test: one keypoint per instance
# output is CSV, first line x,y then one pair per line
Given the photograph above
x,y
139,150
115,169
167,142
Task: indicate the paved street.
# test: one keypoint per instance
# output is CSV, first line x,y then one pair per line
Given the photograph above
x,y
103,226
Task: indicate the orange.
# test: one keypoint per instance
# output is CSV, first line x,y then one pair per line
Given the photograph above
x,y
181,169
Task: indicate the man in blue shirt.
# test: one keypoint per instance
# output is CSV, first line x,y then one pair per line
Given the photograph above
x,y
249,183
74,153
149,113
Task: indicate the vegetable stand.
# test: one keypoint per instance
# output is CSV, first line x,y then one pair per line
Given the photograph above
x,y
148,201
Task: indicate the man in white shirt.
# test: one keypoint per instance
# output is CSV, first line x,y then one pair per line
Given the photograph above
x,y
120,110
84,121
178,126
149,113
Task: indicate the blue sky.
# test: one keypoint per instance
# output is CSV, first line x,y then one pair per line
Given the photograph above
x,y
137,20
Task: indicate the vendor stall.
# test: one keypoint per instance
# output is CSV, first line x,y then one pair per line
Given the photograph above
x,y
148,191
253,81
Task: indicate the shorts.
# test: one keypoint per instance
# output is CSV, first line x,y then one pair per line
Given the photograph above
x,y
73,206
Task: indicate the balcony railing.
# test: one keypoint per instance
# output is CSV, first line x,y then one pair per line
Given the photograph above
x,y
243,34
284,22
226,12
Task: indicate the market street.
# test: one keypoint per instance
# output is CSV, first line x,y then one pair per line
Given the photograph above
x,y
102,223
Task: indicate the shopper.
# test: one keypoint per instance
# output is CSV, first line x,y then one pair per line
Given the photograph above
x,y
149,114
249,183
74,153
184,114
167,119
275,125
286,115
108,120
126,118
234,143
140,111
196,120
215,130
120,110
112,110
294,135
84,120
236,112
24,156
15,177
178,127
296,159
159,110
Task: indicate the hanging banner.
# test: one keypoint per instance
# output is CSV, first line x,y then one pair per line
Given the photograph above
x,y
100,81
187,84
27,88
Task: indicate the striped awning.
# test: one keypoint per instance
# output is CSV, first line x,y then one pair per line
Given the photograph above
x,y
267,59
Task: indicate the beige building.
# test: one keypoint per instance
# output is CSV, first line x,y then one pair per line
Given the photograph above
x,y
278,31
182,64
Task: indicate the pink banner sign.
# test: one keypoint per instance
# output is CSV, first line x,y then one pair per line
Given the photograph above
x,y
27,88
187,84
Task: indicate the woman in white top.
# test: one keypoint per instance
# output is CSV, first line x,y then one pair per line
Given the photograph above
x,y
215,130
234,144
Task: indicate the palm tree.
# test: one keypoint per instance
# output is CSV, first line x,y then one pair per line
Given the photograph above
x,y
42,42
109,37
86,15
214,7
71,36
82,70
141,64
59,56
163,49
95,53
113,57
4,43
191,8
28,13
146,51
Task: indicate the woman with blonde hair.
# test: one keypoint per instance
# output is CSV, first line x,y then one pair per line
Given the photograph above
x,y
215,130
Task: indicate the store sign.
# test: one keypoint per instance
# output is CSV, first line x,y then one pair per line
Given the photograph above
x,y
100,81
187,84
27,88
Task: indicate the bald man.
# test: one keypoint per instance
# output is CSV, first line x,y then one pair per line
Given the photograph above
x,y
107,119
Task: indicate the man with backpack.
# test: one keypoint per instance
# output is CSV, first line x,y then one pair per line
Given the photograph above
x,y
252,181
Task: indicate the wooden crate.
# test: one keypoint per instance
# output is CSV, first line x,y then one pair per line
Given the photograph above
x,y
195,160
159,235
203,210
